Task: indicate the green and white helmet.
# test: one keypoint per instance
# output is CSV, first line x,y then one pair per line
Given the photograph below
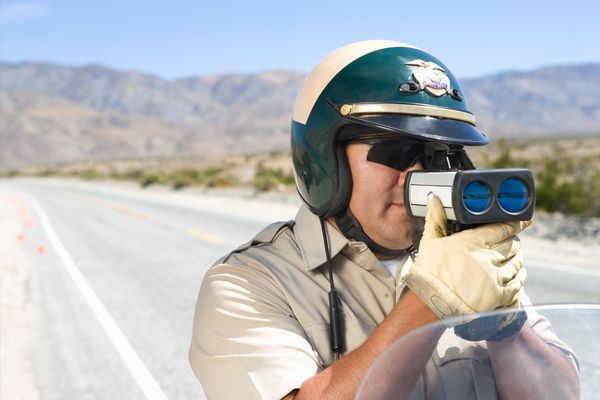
x,y
385,88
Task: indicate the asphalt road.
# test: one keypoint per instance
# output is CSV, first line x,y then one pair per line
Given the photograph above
x,y
113,280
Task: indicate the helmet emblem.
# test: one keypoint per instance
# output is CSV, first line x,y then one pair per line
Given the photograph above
x,y
431,77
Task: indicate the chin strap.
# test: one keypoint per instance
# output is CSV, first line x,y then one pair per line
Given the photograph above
x,y
352,229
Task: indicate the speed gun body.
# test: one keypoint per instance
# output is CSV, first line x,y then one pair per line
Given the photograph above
x,y
473,196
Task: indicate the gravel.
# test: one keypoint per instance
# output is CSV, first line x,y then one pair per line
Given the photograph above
x,y
556,227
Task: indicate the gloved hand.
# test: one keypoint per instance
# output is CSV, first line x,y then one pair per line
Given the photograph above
x,y
471,271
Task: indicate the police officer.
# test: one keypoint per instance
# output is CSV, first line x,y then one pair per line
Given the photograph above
x,y
304,308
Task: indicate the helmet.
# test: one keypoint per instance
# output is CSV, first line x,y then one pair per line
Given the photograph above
x,y
383,88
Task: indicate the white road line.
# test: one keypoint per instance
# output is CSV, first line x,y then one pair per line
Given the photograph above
x,y
140,373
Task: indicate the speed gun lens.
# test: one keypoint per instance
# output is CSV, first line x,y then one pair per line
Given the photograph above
x,y
477,197
513,195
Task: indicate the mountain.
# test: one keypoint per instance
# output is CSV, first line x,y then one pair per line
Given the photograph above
x,y
545,101
53,114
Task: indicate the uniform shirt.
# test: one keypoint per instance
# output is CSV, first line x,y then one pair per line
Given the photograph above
x,y
261,326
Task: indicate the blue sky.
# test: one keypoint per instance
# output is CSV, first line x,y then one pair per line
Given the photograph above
x,y
181,38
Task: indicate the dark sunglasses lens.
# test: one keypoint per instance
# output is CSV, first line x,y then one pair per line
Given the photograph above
x,y
395,154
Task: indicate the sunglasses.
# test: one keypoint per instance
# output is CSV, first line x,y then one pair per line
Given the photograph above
x,y
401,154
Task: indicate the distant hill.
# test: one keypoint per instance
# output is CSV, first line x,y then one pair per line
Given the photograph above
x,y
54,114
542,102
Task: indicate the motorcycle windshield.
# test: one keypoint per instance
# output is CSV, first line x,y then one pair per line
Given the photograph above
x,y
555,355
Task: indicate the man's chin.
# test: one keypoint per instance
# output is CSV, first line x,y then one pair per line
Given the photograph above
x,y
398,243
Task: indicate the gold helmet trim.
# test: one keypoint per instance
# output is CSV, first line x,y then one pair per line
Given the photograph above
x,y
411,109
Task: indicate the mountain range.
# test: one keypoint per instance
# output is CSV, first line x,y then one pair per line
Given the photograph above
x,y
59,114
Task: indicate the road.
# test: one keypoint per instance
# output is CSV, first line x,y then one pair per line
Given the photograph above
x,y
112,278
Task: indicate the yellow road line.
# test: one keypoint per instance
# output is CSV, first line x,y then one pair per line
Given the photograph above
x,y
117,207
140,215
204,236
132,213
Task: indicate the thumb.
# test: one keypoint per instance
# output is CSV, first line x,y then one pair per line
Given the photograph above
x,y
435,220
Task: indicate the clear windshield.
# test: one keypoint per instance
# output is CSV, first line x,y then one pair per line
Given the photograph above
x,y
460,369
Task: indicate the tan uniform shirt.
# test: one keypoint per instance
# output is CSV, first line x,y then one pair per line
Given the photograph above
x,y
261,326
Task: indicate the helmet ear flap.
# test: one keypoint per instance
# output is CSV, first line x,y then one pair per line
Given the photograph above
x,y
344,182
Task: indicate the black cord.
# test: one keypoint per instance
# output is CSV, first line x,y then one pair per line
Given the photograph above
x,y
335,332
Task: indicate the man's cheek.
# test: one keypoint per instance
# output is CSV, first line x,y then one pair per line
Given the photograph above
x,y
418,224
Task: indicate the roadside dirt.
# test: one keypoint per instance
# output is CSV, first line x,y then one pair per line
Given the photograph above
x,y
17,379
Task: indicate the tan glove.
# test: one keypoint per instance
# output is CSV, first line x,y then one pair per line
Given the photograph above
x,y
471,271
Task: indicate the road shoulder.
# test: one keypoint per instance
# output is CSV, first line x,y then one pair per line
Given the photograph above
x,y
16,308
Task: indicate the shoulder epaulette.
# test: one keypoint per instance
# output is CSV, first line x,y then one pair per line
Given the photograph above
x,y
267,235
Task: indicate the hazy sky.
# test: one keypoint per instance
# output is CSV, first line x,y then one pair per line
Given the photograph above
x,y
180,38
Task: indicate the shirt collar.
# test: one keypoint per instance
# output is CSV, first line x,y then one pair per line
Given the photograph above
x,y
309,236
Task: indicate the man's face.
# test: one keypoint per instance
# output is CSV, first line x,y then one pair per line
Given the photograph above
x,y
377,199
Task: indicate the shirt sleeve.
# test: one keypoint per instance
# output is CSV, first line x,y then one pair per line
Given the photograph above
x,y
542,327
245,341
